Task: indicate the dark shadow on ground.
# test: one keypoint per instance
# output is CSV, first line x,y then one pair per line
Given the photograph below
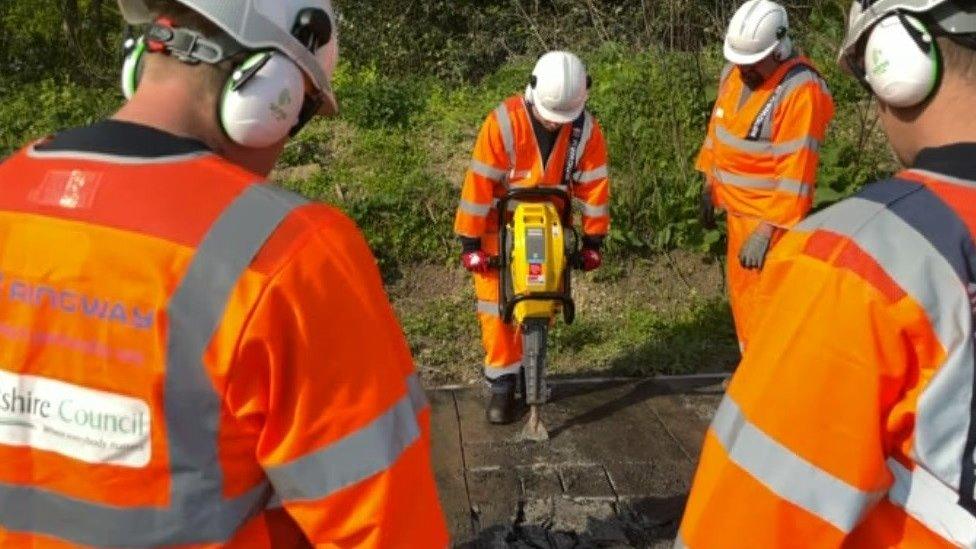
x,y
640,393
640,523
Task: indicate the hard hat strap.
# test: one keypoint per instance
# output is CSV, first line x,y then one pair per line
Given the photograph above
x,y
190,46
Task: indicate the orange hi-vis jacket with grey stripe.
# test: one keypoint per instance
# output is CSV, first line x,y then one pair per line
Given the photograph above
x,y
760,159
506,155
763,145
188,358
851,422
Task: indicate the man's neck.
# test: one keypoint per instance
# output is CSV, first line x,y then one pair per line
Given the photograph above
x,y
170,107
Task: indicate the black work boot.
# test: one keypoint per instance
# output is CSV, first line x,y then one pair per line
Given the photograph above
x,y
502,407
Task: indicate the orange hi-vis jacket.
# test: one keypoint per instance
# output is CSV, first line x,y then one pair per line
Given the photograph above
x,y
507,156
187,357
850,422
763,146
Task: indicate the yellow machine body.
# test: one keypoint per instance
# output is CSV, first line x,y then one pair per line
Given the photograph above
x,y
538,258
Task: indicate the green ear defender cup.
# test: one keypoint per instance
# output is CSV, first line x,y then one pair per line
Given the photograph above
x,y
135,50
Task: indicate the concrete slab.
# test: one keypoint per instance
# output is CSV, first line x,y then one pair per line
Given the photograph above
x,y
615,473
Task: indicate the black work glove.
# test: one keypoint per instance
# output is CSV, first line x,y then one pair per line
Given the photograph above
x,y
752,256
707,213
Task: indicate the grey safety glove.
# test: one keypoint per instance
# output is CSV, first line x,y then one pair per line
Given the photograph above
x,y
707,213
752,256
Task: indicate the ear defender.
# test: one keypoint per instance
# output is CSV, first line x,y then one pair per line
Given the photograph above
x,y
902,64
134,50
785,48
262,100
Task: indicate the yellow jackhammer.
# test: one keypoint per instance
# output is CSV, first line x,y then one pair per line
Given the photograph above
x,y
537,244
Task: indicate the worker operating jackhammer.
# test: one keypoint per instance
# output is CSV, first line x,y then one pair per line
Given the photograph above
x,y
761,154
530,141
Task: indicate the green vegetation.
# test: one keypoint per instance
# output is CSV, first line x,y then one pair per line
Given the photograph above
x,y
417,80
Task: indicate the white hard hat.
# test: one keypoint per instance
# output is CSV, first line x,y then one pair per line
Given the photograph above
x,y
559,87
264,24
757,30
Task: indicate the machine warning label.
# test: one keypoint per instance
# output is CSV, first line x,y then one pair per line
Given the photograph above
x,y
76,422
537,275
535,247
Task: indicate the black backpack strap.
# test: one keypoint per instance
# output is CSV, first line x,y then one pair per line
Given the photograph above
x,y
574,152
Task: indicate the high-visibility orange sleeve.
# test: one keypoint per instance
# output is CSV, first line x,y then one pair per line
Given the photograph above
x,y
326,381
799,129
798,448
593,184
705,161
488,169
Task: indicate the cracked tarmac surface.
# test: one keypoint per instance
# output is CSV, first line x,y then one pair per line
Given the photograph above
x,y
615,472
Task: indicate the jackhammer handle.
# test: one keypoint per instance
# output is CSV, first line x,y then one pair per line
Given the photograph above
x,y
495,262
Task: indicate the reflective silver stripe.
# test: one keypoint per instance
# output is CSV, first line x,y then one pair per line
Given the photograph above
x,y
944,407
765,147
679,542
493,373
727,138
477,210
795,146
932,503
946,178
418,398
590,210
587,134
488,308
32,152
367,452
487,171
726,71
788,475
801,77
709,143
736,180
798,76
198,512
793,186
511,204
508,136
592,175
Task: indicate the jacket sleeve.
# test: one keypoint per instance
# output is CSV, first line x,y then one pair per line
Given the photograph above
x,y
705,160
799,128
798,447
487,172
326,379
591,185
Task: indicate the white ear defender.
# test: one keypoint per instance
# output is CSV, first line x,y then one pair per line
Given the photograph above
x,y
902,64
264,99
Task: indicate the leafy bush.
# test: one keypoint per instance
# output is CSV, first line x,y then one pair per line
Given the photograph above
x,y
31,111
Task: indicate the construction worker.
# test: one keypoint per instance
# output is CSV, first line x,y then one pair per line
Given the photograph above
x,y
182,346
544,138
761,153
850,420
